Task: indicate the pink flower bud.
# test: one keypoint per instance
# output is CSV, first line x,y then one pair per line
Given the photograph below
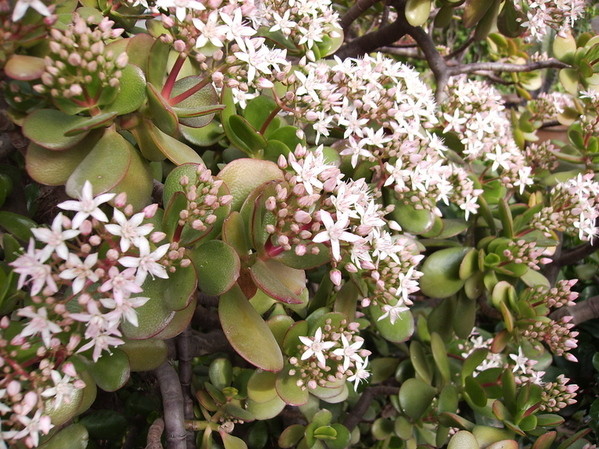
x,y
150,211
336,277
86,227
69,369
157,236
13,388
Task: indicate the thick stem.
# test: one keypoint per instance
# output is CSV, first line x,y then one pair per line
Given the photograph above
x,y
172,404
185,374
354,12
581,312
506,67
155,434
172,76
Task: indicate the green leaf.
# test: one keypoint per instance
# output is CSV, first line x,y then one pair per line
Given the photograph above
x,y
247,332
132,91
413,220
198,109
257,111
111,371
145,355
179,322
161,112
105,425
474,11
179,287
244,175
17,225
220,373
175,151
157,62
217,265
398,332
463,440
440,356
473,361
415,397
475,392
232,442
203,137
97,121
24,68
286,135
279,281
291,436
417,12
545,441
74,436
234,232
47,128
261,386
420,362
440,270
153,316
265,410
288,390
247,134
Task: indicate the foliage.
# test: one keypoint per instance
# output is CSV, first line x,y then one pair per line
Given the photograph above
x,y
276,222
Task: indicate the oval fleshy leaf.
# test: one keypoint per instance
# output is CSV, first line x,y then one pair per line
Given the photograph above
x,y
53,168
179,287
47,128
261,386
161,112
97,121
217,265
179,322
242,176
415,397
398,332
175,151
279,281
132,91
66,410
145,355
153,316
247,332
412,220
288,389
206,99
463,440
111,371
266,410
440,270
24,68
72,437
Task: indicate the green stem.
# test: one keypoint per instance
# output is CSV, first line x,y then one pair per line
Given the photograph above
x,y
196,425
172,76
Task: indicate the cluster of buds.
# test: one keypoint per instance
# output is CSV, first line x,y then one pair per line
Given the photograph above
x,y
557,335
80,66
523,252
557,395
547,106
561,295
543,14
334,354
541,156
101,267
476,341
204,198
574,208
476,113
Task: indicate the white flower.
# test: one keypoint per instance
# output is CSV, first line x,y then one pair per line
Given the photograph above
x,y
235,29
335,232
147,263
23,5
393,312
80,271
101,342
315,347
63,389
33,427
130,230
360,373
87,205
349,352
54,238
180,6
38,324
520,360
210,31
124,308
30,265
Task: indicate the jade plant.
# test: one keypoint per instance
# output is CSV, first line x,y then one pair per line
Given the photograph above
x,y
289,223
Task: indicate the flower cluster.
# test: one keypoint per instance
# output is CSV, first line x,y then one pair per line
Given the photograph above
x,y
558,394
80,66
541,15
334,354
573,208
316,206
476,113
541,156
557,335
528,253
561,295
89,271
547,106
204,198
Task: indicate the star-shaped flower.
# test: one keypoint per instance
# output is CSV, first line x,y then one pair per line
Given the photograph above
x,y
316,347
87,205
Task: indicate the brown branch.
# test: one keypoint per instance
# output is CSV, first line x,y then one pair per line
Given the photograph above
x,y
172,404
580,312
577,254
185,374
371,41
433,57
461,49
155,434
354,12
355,415
406,52
505,67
